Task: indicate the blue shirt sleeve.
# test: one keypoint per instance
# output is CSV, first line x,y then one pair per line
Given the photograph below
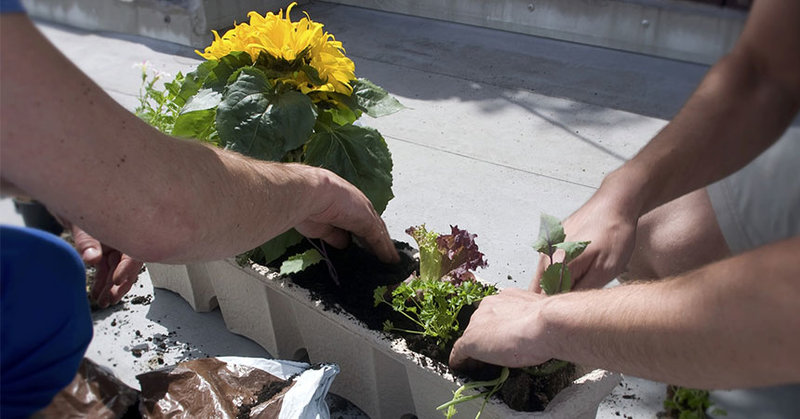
x,y
10,6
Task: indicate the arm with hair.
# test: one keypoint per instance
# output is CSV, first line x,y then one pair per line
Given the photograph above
x,y
742,106
68,144
731,324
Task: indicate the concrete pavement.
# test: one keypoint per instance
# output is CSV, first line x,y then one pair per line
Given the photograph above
x,y
500,128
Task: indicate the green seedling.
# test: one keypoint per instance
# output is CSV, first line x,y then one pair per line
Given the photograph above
x,y
556,278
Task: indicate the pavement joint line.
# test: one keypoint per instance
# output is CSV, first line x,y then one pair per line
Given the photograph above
x,y
503,165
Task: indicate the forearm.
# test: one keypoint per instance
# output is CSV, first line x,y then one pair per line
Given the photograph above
x,y
730,324
735,114
68,144
742,106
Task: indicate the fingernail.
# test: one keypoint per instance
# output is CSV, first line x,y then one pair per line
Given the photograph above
x,y
91,253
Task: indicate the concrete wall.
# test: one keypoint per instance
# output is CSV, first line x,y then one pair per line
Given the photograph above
x,y
186,22
668,28
681,30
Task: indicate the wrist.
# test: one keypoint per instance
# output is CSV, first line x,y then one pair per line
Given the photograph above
x,y
554,318
626,188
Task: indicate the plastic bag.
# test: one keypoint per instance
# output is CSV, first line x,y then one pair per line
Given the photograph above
x,y
94,393
224,387
235,387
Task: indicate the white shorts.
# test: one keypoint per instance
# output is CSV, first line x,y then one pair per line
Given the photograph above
x,y
760,203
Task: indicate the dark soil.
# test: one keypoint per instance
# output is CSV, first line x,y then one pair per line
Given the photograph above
x,y
530,393
270,390
359,273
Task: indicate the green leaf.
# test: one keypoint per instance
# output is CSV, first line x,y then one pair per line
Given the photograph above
x,y
196,120
255,121
205,99
338,116
313,75
430,257
378,295
359,155
572,249
193,81
212,74
195,124
276,247
551,232
374,100
552,281
300,262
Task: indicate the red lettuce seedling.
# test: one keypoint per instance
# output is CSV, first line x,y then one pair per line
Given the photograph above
x,y
445,284
450,257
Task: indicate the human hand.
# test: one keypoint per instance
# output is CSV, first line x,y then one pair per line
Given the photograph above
x,y
606,223
506,330
346,210
115,272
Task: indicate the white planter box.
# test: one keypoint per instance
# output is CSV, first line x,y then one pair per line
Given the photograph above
x,y
378,374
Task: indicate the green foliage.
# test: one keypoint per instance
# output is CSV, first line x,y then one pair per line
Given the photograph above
x,y
258,120
433,300
556,278
458,397
374,100
430,258
687,403
157,106
433,305
299,262
357,154
234,103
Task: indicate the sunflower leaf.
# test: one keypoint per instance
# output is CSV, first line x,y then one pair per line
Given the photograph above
x,y
255,121
275,248
374,100
359,155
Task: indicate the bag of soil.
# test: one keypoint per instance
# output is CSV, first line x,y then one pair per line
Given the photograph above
x,y
235,387
94,393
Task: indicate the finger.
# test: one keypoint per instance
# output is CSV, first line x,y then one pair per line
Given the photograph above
x,y
112,258
119,290
459,358
381,244
128,267
87,246
335,237
101,279
535,285
124,276
588,272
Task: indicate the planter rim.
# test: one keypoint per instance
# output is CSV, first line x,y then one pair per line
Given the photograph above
x,y
384,342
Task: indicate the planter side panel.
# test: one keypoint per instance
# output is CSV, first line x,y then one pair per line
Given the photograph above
x,y
191,282
374,380
244,303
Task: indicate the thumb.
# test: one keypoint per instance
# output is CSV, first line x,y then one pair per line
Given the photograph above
x,y
87,246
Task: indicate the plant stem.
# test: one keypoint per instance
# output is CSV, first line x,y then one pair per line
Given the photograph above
x,y
331,269
457,398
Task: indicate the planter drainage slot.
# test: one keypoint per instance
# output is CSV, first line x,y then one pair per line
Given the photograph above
x,y
301,355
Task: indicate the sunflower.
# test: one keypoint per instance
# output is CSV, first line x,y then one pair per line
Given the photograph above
x,y
297,44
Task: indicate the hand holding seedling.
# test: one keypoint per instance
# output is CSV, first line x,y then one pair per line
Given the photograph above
x,y
511,320
605,221
505,330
